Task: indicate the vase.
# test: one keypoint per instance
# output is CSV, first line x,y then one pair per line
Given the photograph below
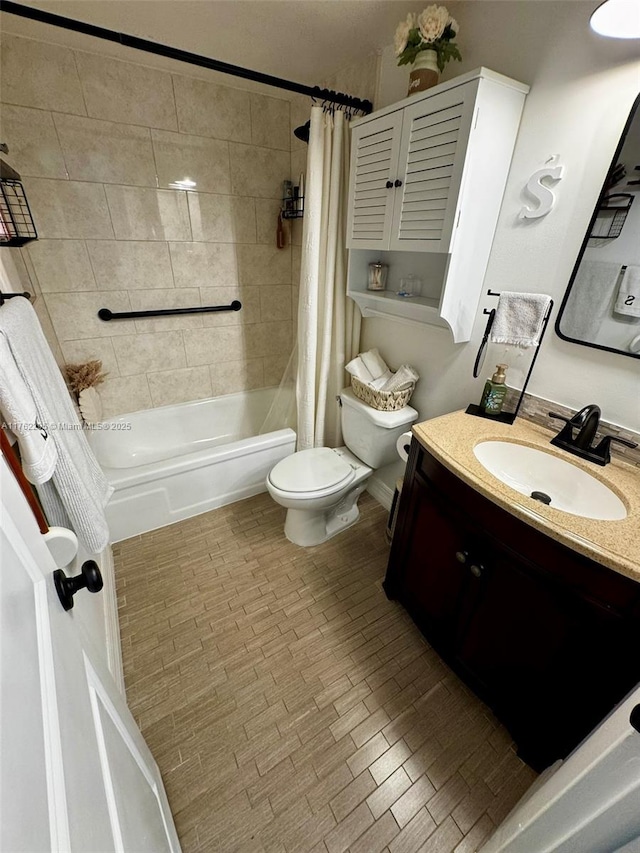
x,y
424,73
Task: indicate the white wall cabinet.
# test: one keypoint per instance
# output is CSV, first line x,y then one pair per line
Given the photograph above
x,y
427,178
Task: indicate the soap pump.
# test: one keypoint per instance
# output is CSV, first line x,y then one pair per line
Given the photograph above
x,y
495,390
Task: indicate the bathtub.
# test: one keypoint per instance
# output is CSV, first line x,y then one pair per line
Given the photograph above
x,y
174,462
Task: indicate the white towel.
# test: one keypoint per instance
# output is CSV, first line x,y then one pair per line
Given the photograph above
x,y
357,368
379,383
374,363
37,449
77,493
628,298
519,318
404,377
590,299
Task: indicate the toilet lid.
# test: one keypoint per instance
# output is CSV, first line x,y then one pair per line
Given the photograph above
x,y
310,471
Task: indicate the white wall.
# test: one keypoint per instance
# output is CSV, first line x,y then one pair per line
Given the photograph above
x,y
582,87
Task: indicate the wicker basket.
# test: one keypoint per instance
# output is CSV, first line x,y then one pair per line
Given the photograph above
x,y
384,401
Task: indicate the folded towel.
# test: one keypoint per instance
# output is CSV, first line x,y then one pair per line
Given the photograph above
x,y
404,377
380,382
37,449
628,298
78,491
357,368
374,363
519,318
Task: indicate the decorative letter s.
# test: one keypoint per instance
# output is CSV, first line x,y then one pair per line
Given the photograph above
x,y
541,193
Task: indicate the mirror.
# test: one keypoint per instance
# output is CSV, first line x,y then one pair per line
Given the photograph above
x,y
601,307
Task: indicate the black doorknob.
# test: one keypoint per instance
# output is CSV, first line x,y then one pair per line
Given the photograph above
x,y
389,185
90,578
397,182
634,719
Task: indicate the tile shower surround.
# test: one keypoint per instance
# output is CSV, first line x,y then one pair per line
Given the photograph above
x,y
98,143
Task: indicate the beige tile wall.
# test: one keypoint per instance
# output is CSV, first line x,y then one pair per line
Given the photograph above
x,y
100,144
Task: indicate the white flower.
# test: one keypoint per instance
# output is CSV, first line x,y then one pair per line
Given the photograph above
x,y
402,33
432,22
455,26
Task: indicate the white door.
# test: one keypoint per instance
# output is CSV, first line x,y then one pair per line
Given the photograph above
x,y
591,803
75,772
375,147
434,142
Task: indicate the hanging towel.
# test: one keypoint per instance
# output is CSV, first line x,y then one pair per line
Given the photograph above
x,y
38,452
374,363
590,299
357,368
628,298
519,318
78,491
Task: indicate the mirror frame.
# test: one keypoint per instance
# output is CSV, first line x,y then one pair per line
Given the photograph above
x,y
635,110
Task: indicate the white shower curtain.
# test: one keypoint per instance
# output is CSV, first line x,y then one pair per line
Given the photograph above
x,y
328,322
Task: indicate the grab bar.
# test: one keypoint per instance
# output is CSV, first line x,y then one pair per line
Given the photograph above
x,y
106,314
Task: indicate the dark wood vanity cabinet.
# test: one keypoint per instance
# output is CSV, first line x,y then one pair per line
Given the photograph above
x,y
548,638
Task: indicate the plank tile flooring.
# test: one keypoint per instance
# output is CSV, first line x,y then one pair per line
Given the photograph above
x,y
290,706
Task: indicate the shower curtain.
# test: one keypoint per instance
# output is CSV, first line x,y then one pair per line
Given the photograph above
x,y
328,322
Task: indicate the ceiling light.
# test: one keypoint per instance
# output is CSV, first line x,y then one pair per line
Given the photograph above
x,y
618,19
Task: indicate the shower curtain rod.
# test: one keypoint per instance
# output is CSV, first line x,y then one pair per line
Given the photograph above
x,y
326,95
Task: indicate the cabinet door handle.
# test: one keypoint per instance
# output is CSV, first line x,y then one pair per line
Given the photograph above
x,y
461,556
397,182
476,570
389,185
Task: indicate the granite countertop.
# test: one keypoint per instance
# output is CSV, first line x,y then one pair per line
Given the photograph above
x,y
615,544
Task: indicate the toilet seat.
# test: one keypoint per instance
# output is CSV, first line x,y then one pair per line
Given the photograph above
x,y
316,472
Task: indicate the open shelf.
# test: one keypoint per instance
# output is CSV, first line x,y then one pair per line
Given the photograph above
x,y
416,309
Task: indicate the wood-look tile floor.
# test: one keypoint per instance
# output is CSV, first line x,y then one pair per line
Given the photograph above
x,y
290,706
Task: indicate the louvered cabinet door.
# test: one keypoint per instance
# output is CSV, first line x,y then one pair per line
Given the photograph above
x,y
375,150
434,140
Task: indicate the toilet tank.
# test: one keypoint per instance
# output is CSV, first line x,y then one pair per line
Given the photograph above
x,y
369,434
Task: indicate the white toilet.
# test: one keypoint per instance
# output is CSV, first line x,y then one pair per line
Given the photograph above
x,y
320,487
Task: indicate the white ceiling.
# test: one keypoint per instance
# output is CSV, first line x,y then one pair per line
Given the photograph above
x,y
301,40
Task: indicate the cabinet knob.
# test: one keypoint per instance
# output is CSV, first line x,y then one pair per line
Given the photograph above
x,y
389,185
397,182
475,570
461,557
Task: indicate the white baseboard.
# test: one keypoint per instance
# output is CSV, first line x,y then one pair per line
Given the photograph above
x,y
381,492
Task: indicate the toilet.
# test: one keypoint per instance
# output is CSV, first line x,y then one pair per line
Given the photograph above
x,y
320,487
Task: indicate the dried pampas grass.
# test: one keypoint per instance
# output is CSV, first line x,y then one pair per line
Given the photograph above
x,y
81,376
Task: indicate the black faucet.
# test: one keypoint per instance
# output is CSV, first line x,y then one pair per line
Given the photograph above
x,y
577,435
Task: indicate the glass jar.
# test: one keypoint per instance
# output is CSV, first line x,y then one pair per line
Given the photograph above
x,y
378,273
411,285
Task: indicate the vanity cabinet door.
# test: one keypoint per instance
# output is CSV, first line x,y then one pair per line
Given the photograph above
x,y
434,576
375,147
513,650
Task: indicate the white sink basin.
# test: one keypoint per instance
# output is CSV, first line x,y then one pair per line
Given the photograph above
x,y
570,488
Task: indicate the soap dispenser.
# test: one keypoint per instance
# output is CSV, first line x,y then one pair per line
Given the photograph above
x,y
495,390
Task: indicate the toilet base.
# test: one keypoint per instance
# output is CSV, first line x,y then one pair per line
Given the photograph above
x,y
313,527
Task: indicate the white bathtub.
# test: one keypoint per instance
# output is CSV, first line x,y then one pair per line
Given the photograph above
x,y
178,461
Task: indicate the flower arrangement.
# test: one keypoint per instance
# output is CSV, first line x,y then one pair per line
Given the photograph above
x,y
82,376
432,29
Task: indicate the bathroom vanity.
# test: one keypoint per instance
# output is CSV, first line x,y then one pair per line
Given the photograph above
x,y
536,609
